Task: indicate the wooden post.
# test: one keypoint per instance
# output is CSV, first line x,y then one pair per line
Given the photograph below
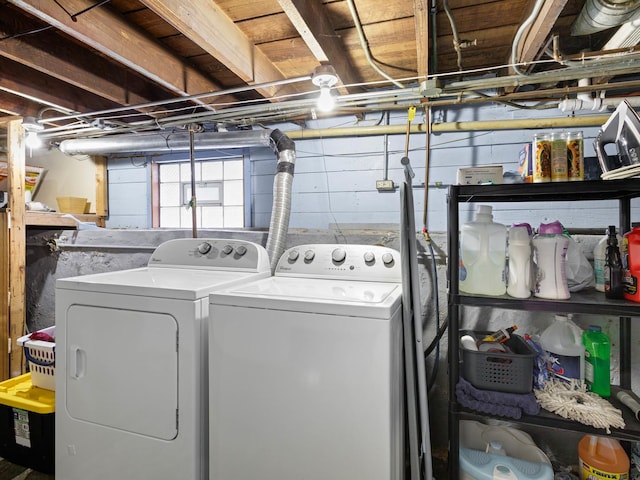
x,y
102,205
4,295
17,249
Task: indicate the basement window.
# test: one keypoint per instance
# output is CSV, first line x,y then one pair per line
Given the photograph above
x,y
219,194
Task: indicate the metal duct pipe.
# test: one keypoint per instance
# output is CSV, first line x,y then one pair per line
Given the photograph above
x,y
598,15
281,207
164,142
282,145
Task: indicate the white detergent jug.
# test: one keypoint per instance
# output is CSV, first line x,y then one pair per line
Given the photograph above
x,y
483,254
562,342
520,266
550,254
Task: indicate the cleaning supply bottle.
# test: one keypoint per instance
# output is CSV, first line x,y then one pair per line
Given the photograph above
x,y
598,258
519,265
501,335
632,265
562,343
597,361
483,252
550,253
613,286
602,458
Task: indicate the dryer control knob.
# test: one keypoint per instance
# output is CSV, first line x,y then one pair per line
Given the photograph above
x,y
369,257
241,250
338,255
293,255
204,248
309,255
387,259
227,249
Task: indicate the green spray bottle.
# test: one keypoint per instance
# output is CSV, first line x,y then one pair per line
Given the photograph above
x,y
597,361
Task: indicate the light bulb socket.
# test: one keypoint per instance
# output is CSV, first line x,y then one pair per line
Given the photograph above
x,y
324,76
30,124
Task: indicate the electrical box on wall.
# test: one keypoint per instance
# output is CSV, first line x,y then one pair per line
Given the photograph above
x,y
384,185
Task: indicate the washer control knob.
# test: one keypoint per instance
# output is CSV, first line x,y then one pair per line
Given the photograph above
x,y
204,248
241,250
227,249
369,257
309,255
387,259
293,255
338,255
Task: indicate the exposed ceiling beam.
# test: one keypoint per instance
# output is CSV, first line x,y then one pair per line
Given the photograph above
x,y
421,12
14,105
226,42
34,86
534,38
75,66
109,34
310,19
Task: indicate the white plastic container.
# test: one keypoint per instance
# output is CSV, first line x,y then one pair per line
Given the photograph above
x,y
550,253
483,253
562,341
520,266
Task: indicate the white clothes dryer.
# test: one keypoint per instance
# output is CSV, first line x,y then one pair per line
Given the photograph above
x,y
306,370
131,362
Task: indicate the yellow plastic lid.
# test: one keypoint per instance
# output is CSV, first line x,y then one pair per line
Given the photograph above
x,y
18,392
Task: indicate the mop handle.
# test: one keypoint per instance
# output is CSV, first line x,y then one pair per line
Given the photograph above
x,y
630,402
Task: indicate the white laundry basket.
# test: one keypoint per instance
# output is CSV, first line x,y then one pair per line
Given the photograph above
x,y
41,356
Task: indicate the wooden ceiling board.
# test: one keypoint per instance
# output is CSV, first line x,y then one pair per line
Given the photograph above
x,y
131,51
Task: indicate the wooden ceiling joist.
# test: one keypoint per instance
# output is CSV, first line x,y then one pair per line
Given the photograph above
x,y
109,34
226,42
310,19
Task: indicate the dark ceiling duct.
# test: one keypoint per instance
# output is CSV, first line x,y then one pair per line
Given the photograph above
x,y
283,147
598,15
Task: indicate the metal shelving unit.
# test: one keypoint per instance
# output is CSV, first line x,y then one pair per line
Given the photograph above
x,y
589,302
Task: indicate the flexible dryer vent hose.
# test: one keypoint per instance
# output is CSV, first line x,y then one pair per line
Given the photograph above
x,y
284,147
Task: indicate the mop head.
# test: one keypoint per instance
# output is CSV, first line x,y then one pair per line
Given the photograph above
x,y
572,401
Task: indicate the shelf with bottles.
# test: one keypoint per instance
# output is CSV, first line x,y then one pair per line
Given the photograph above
x,y
585,301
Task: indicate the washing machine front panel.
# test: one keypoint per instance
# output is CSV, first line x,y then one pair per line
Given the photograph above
x,y
123,369
304,395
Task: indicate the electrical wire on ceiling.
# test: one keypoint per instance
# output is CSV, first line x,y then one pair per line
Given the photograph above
x,y
454,29
516,40
365,45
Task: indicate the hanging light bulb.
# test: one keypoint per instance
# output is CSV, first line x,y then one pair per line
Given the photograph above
x,y
326,100
32,127
325,77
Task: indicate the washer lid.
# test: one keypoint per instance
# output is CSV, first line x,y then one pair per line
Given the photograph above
x,y
169,282
335,297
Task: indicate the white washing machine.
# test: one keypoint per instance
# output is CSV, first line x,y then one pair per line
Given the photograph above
x,y
306,371
131,362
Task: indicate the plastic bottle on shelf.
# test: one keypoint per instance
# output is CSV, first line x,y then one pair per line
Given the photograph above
x,y
483,245
520,264
562,342
632,265
597,361
602,458
501,335
550,253
599,257
613,272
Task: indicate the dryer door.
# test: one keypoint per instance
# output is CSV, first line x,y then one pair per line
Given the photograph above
x,y
122,369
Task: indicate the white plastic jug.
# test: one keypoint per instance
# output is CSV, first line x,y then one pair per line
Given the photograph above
x,y
483,253
550,254
519,282
562,341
